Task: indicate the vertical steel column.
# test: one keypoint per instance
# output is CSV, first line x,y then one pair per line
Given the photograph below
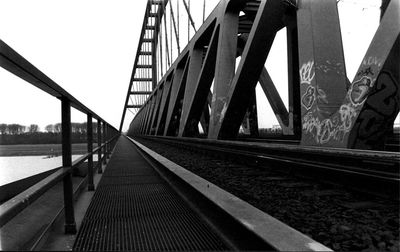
x,y
154,75
224,69
69,226
252,115
90,150
99,170
105,144
322,72
294,122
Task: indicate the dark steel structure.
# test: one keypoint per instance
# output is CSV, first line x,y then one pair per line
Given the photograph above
x,y
204,87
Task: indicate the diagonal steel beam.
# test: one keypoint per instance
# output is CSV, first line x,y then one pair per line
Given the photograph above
x,y
231,110
154,119
164,105
178,82
199,81
274,99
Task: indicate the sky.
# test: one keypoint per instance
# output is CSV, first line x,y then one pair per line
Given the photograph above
x,y
88,47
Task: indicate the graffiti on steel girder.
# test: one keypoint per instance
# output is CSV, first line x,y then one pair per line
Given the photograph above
x,y
335,127
378,112
313,92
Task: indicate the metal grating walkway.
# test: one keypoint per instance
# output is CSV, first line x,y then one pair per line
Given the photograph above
x,y
135,209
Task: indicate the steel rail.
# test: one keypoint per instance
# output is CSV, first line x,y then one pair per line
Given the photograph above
x,y
368,171
391,145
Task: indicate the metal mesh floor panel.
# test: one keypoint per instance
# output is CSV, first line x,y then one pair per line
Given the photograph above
x,y
134,209
129,180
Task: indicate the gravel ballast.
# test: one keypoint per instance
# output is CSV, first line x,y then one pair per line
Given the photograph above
x,y
340,219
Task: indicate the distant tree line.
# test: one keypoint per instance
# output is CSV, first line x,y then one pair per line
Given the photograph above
x,y
21,134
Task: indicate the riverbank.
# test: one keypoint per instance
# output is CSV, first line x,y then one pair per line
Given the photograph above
x,y
50,150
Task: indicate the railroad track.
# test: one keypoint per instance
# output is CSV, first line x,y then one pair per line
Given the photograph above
x,y
367,171
392,143
240,225
340,217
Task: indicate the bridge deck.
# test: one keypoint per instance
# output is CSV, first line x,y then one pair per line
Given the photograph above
x,y
135,209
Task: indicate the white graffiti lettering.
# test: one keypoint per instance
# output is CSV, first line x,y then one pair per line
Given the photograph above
x,y
308,98
328,129
372,60
331,67
311,95
359,90
307,72
347,113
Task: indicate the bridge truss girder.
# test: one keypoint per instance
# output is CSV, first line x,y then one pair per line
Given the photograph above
x,y
143,80
325,108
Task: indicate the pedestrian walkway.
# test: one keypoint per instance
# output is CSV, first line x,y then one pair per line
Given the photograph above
x,y
135,209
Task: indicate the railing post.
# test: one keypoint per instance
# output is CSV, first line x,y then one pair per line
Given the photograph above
x,y
90,150
109,144
99,170
104,141
70,226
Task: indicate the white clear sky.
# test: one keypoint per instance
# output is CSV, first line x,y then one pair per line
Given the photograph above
x,y
88,47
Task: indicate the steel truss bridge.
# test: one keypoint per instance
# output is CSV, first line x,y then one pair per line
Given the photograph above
x,y
204,93
191,82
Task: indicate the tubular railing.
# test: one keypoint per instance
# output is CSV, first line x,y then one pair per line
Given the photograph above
x,y
106,139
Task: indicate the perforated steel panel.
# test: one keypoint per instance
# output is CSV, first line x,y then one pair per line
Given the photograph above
x,y
134,209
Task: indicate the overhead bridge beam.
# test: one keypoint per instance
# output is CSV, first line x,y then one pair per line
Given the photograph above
x,y
134,106
142,79
140,92
157,2
144,66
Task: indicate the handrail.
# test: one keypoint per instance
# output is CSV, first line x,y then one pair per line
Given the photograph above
x,y
106,133
18,65
13,206
83,158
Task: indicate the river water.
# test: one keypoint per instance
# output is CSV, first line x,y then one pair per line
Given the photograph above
x,y
19,167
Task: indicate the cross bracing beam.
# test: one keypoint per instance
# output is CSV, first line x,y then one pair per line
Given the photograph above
x,y
134,106
140,93
325,108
